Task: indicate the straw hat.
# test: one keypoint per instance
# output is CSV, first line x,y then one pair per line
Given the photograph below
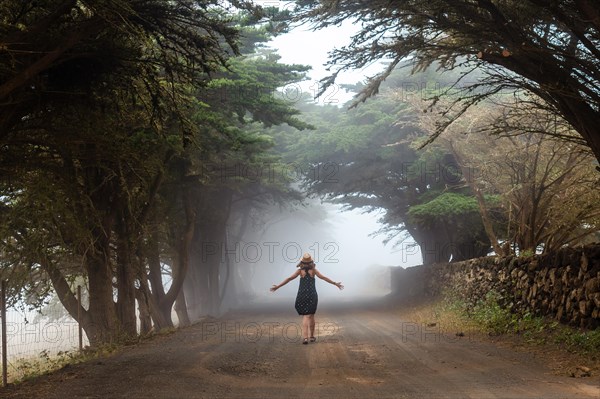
x,y
306,258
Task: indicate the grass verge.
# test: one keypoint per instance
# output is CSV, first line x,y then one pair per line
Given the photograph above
x,y
488,319
23,369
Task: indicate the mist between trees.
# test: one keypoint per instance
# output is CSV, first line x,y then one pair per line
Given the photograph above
x,y
150,151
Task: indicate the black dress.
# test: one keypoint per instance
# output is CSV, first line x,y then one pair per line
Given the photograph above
x,y
307,298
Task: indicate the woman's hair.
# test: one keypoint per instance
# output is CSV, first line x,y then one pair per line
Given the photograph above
x,y
310,264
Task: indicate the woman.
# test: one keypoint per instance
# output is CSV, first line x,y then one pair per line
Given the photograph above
x,y
307,298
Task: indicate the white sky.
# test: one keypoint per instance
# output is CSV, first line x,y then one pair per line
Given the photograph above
x,y
307,47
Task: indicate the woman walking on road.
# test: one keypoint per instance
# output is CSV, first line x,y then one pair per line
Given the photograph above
x,y
307,298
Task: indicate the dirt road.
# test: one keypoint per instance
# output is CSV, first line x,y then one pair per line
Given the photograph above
x,y
366,353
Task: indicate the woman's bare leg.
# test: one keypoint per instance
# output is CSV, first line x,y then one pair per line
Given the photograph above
x,y
305,326
312,325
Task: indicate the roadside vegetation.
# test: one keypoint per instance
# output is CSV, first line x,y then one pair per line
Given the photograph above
x,y
45,362
577,348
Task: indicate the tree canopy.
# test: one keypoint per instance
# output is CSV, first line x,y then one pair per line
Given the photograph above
x,y
548,48
363,159
489,182
107,130
138,140
91,47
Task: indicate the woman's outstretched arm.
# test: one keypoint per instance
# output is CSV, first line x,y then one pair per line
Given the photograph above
x,y
322,277
284,282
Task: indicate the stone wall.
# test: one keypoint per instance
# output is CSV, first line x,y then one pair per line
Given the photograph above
x,y
564,285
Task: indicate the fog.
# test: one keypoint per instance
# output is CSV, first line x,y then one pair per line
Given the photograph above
x,y
339,242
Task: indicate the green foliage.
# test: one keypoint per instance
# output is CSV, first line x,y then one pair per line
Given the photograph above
x,y
46,362
491,317
27,369
97,156
587,342
526,253
446,206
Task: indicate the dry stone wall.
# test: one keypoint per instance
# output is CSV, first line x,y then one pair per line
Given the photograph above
x,y
564,285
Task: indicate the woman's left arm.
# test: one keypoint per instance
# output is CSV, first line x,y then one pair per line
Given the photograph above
x,y
322,277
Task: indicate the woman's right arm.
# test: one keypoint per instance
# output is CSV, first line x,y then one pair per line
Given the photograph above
x,y
284,282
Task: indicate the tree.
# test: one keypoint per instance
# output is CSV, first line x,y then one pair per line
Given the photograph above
x,y
235,162
363,159
548,48
546,186
94,116
75,204
453,216
91,49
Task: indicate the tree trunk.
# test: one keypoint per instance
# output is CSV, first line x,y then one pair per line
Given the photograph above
x,y
181,309
434,248
67,297
485,218
209,246
144,312
227,264
100,321
487,223
196,288
104,324
154,268
158,305
182,264
566,98
161,316
125,279
584,119
151,297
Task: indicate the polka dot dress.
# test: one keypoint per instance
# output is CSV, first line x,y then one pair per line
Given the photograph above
x,y
307,298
